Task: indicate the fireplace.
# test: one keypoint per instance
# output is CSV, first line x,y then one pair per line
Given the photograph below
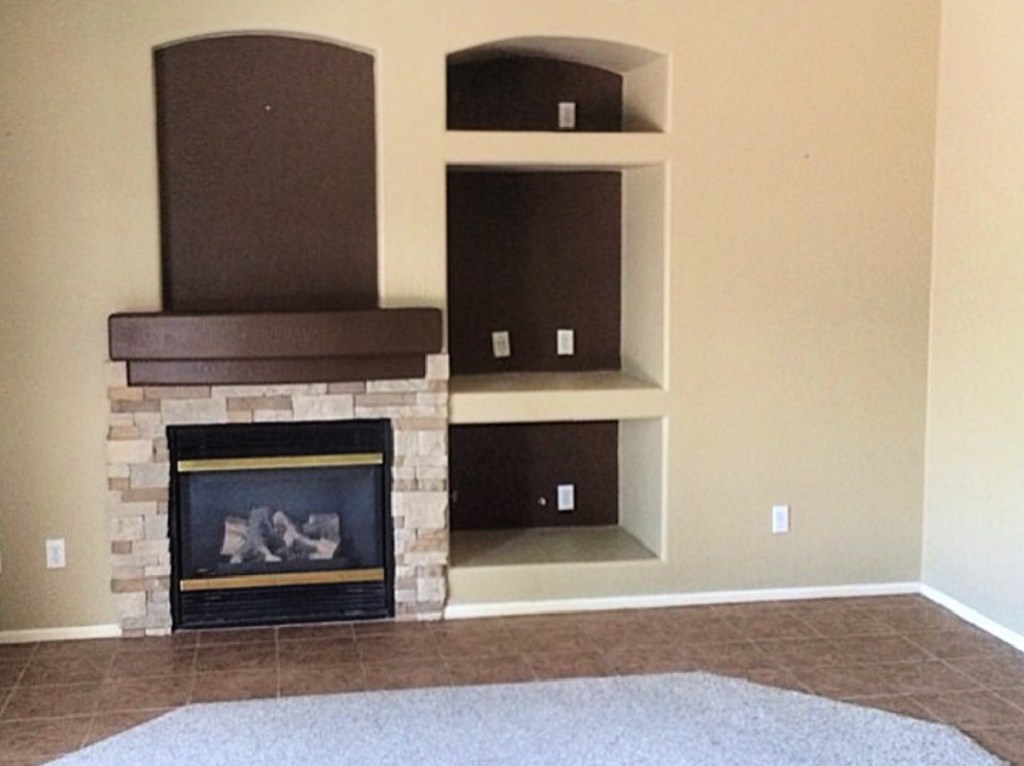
x,y
269,316
139,476
280,523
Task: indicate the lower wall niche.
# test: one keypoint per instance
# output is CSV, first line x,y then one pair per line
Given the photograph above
x,y
138,470
508,480
507,476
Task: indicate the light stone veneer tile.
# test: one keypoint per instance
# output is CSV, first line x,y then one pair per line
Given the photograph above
x,y
424,510
192,411
385,400
426,558
127,528
130,604
125,394
432,442
438,367
118,471
284,389
405,443
431,472
430,589
150,547
273,416
117,374
177,392
150,425
417,460
151,475
130,451
327,407
432,399
384,386
353,387
142,508
155,527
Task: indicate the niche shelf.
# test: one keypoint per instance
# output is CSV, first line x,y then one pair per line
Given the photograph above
x,y
555,150
552,396
554,228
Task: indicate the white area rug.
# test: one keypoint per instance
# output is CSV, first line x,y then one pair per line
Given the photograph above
x,y
687,719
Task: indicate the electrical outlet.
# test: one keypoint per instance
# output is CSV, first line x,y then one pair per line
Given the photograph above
x,y
55,554
565,342
566,497
780,519
566,115
501,344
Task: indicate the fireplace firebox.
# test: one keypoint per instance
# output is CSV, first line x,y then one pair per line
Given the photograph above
x,y
277,523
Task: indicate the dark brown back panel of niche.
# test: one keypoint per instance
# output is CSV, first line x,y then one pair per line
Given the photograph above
x,y
506,476
267,175
523,93
532,253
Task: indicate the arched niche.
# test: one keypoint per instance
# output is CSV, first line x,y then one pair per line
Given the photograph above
x,y
267,161
519,83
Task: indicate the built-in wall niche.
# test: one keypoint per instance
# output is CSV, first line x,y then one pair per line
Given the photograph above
x,y
266,147
557,83
508,475
536,254
531,254
510,502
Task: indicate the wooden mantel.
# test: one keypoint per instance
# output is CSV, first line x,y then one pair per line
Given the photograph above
x,y
274,347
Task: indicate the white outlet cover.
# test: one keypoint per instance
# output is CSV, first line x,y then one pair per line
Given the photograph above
x,y
566,497
565,342
55,554
566,115
780,519
501,344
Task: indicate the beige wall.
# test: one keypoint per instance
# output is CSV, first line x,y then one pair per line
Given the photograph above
x,y
974,517
799,234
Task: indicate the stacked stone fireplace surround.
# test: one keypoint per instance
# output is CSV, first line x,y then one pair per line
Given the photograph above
x,y
138,474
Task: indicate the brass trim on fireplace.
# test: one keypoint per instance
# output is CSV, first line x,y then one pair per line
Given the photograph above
x,y
283,578
284,461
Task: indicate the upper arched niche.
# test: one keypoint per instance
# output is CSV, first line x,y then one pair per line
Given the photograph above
x,y
267,161
518,84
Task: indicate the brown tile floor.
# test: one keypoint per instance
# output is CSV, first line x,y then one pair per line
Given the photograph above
x,y
898,653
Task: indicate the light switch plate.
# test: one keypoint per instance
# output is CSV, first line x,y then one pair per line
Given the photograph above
x,y
566,497
501,344
566,115
566,342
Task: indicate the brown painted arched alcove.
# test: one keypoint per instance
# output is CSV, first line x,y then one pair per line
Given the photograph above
x,y
518,92
267,175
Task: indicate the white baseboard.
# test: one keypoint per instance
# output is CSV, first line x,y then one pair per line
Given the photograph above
x,y
59,634
976,618
510,608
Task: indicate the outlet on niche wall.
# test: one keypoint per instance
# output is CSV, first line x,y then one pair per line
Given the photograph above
x,y
566,497
501,344
565,342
